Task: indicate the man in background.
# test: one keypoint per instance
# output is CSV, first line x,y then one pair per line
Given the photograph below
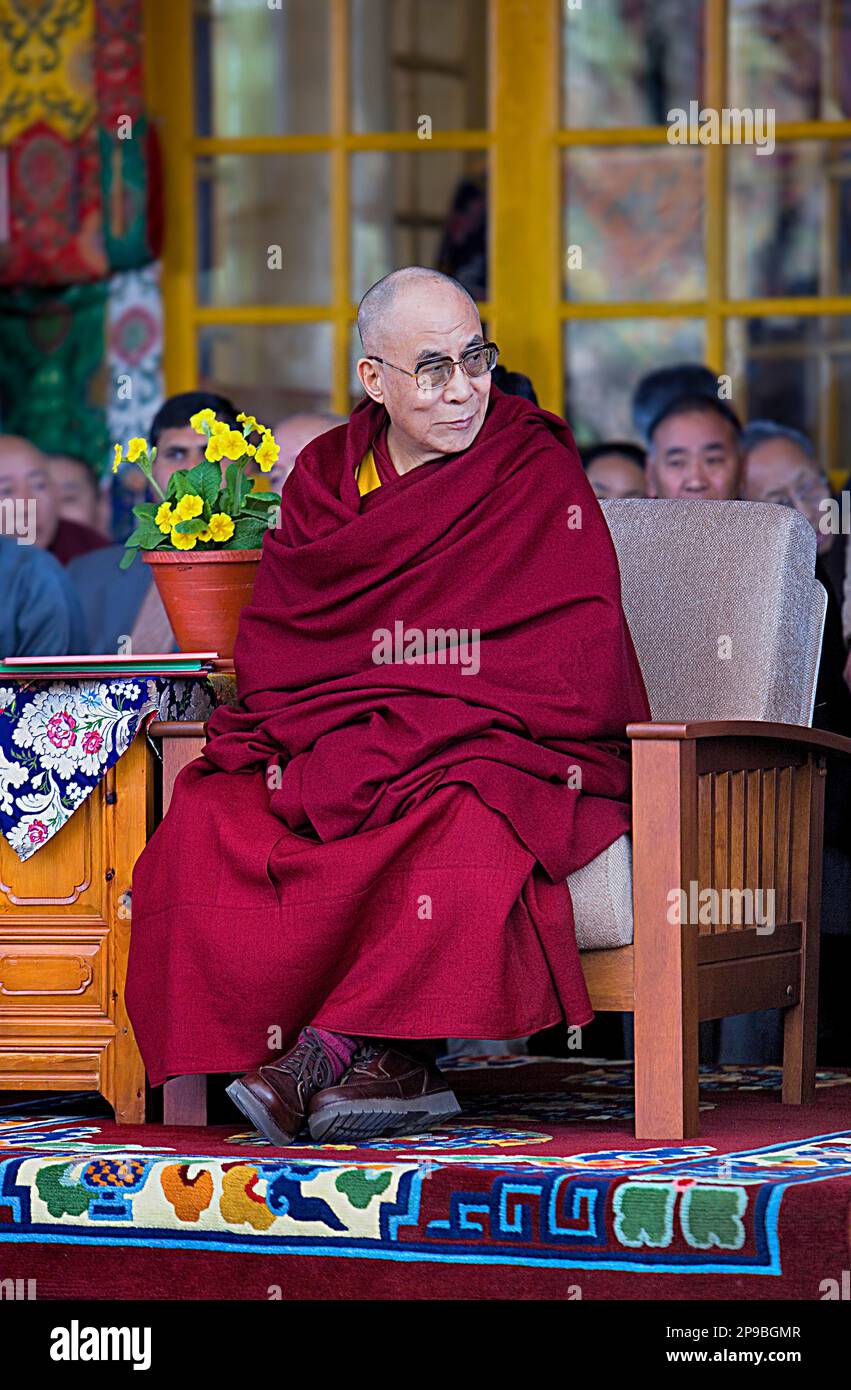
x,y
177,444
292,434
77,490
695,451
657,389
616,469
781,466
27,482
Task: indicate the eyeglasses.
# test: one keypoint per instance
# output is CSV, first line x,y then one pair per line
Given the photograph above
x,y
432,376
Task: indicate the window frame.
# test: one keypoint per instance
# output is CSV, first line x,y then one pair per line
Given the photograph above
x,y
524,143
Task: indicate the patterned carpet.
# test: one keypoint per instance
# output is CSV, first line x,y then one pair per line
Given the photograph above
x,y
536,1190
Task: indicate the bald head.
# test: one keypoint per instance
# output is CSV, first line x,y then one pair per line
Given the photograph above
x,y
409,320
293,434
385,299
14,447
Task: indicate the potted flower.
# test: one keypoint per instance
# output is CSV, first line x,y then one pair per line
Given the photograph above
x,y
204,535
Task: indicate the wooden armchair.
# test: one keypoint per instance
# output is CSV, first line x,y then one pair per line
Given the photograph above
x,y
728,794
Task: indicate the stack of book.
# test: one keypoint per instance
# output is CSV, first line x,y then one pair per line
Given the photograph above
x,y
101,664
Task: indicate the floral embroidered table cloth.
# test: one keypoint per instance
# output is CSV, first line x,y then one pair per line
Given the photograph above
x,y
58,739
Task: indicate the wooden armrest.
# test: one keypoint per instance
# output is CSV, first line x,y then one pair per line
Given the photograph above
x,y
175,728
744,728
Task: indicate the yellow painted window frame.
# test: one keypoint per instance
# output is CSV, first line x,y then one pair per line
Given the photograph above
x,y
525,142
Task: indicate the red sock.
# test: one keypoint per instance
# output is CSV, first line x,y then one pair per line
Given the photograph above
x,y
339,1049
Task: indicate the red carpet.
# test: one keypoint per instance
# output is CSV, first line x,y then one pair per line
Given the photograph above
x,y
537,1191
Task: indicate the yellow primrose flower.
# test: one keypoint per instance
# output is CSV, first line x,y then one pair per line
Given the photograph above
x,y
135,449
205,535
189,506
201,418
181,542
165,518
249,422
252,450
221,526
215,448
118,458
267,454
220,427
233,444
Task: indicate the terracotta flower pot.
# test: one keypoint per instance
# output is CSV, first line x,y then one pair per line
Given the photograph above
x,y
203,595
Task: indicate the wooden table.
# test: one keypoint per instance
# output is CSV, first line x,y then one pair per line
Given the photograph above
x,y
64,941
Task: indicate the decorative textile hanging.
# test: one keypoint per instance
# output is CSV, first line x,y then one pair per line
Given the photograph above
x,y
52,348
79,184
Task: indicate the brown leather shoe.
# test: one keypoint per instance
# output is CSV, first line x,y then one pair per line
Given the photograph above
x,y
275,1097
384,1092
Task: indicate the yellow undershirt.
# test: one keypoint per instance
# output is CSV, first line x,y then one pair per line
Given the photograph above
x,y
366,474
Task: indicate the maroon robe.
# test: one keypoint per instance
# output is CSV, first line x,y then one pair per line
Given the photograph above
x,y
383,848
73,538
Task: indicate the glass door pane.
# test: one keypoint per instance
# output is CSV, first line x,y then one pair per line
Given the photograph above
x,y
260,70
413,58
626,63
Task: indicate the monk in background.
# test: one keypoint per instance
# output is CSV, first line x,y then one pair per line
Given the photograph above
x,y
434,678
27,481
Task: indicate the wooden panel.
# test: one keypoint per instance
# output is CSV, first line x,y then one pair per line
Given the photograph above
x,y
65,876
748,942
665,857
768,828
738,986
784,843
738,825
745,754
177,752
705,833
800,841
721,857
609,976
753,824
49,1067
800,1024
51,973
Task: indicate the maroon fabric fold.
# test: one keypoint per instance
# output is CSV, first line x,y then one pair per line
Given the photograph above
x,y
383,848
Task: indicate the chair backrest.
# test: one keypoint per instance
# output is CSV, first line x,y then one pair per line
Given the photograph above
x,y
724,608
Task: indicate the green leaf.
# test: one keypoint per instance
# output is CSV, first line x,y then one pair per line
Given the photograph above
x,y
193,527
262,500
146,509
205,479
130,553
237,488
248,533
178,486
147,535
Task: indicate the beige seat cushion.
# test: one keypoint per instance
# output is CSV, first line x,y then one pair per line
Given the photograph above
x,y
693,573
602,898
729,580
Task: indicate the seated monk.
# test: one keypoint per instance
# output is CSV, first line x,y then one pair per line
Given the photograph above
x,y
434,677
